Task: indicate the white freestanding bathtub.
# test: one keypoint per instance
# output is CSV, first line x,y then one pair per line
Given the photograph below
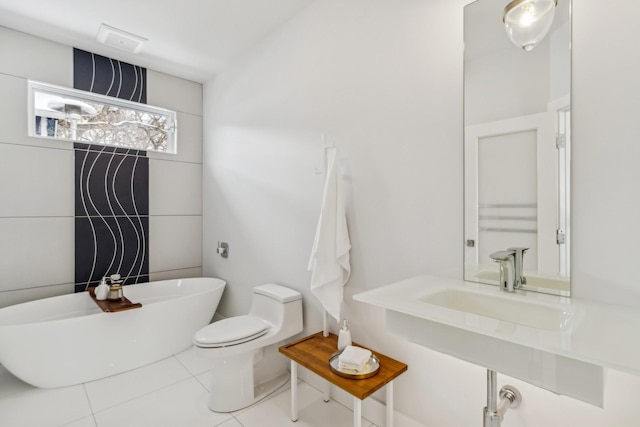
x,y
66,340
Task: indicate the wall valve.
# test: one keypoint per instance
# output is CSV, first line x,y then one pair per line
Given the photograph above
x,y
223,249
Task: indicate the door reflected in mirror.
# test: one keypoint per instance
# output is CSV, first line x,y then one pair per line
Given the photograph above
x,y
517,139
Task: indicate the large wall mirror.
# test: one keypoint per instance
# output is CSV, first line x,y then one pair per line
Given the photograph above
x,y
517,127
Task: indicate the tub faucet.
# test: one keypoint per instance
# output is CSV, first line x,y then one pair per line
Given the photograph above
x,y
506,259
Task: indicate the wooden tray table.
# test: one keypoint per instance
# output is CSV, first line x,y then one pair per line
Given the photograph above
x,y
313,352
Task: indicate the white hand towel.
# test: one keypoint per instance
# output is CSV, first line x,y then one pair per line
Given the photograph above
x,y
354,358
329,260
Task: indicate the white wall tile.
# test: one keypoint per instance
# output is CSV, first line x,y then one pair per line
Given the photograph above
x,y
13,113
173,93
13,110
190,137
36,252
176,274
35,58
176,242
36,182
189,140
30,294
175,188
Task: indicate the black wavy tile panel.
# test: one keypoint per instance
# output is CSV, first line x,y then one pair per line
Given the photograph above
x,y
108,149
109,183
112,222
99,74
112,208
109,245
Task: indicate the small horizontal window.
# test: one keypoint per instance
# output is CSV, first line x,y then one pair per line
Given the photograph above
x,y
75,115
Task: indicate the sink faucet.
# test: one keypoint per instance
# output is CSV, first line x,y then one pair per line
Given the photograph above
x,y
506,259
519,255
511,261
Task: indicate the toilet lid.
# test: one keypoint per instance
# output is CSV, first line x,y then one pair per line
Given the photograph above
x,y
231,331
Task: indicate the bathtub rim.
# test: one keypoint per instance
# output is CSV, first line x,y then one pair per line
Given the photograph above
x,y
87,308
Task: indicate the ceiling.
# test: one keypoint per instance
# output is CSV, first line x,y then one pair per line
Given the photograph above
x,y
192,39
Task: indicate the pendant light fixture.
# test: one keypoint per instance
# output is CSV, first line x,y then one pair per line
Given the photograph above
x,y
528,21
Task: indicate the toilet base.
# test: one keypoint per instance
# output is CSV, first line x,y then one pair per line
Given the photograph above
x,y
234,385
260,392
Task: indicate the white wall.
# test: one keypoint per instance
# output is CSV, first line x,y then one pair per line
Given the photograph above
x,y
383,79
37,179
605,173
560,62
344,71
494,89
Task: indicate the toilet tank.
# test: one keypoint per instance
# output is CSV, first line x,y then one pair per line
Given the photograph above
x,y
280,306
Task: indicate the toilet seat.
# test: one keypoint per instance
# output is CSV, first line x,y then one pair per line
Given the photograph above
x,y
231,331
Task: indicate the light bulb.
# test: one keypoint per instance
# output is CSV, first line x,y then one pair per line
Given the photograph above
x,y
527,17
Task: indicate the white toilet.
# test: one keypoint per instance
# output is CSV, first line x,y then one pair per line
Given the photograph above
x,y
244,349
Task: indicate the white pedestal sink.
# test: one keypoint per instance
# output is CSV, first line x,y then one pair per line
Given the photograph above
x,y
554,342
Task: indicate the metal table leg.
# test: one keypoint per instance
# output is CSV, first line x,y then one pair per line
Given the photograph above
x,y
294,391
357,412
390,404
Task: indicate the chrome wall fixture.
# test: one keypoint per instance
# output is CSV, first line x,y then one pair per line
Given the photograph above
x,y
223,249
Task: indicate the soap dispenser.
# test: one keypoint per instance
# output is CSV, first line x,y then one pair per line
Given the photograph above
x,y
102,290
344,337
115,290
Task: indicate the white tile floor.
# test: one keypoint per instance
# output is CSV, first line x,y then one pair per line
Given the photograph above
x,y
172,393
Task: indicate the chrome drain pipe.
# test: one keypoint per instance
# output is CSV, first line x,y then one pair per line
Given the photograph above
x,y
509,398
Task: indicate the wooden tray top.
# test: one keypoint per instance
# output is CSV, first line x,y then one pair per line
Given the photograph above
x,y
113,306
313,352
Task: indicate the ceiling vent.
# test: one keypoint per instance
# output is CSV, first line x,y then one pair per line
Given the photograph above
x,y
120,39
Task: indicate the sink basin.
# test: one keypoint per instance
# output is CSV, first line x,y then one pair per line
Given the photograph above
x,y
498,307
